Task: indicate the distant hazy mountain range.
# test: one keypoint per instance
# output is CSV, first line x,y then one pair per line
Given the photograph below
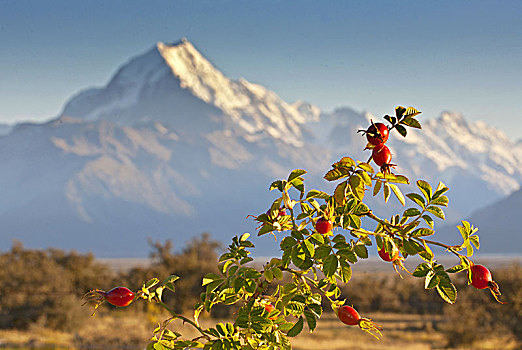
x,y
171,147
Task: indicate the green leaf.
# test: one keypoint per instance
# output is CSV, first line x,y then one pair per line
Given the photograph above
x,y
357,186
330,264
169,282
288,242
398,179
279,184
210,277
475,240
377,187
469,249
436,211
390,119
399,111
346,271
152,282
410,212
410,112
441,189
425,189
428,220
422,270
295,174
412,122
398,193
441,201
432,280
417,199
336,174
310,319
421,232
401,129
322,252
386,192
366,167
297,328
361,251
340,193
277,273
317,194
344,162
447,292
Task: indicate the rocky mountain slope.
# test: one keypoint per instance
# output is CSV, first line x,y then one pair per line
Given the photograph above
x,y
171,147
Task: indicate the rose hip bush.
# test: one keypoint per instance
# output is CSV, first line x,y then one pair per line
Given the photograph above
x,y
321,238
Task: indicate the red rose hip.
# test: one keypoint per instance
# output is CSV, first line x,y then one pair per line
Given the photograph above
x,y
381,155
323,226
386,255
480,277
377,133
119,296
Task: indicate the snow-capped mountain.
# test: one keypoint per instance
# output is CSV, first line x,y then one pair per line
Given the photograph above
x,y
173,82
171,147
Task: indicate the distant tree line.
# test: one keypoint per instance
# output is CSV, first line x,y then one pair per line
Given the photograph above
x,y
45,287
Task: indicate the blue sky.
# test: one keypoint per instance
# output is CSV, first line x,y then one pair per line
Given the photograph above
x,y
464,56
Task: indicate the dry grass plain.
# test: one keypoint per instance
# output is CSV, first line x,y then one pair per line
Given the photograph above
x,y
131,331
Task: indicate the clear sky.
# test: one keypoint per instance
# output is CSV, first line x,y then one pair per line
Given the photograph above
x,y
463,56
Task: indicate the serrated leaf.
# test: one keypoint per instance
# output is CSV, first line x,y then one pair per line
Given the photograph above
x,y
401,129
210,277
366,167
475,240
432,280
411,112
390,119
428,220
441,201
295,174
399,111
346,271
310,319
425,189
279,184
330,264
447,292
417,199
410,212
398,193
357,186
437,212
422,270
422,232
361,251
340,193
367,179
345,162
412,122
317,194
469,249
441,189
377,187
336,174
386,192
296,328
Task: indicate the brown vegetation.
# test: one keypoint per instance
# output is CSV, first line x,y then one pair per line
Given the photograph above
x,y
40,291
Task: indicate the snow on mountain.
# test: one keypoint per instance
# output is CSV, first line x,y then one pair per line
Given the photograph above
x,y
478,162
171,147
191,86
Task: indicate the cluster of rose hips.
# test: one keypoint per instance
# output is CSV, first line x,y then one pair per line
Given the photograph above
x,y
377,135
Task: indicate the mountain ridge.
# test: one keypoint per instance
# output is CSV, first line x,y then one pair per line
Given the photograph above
x,y
161,150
